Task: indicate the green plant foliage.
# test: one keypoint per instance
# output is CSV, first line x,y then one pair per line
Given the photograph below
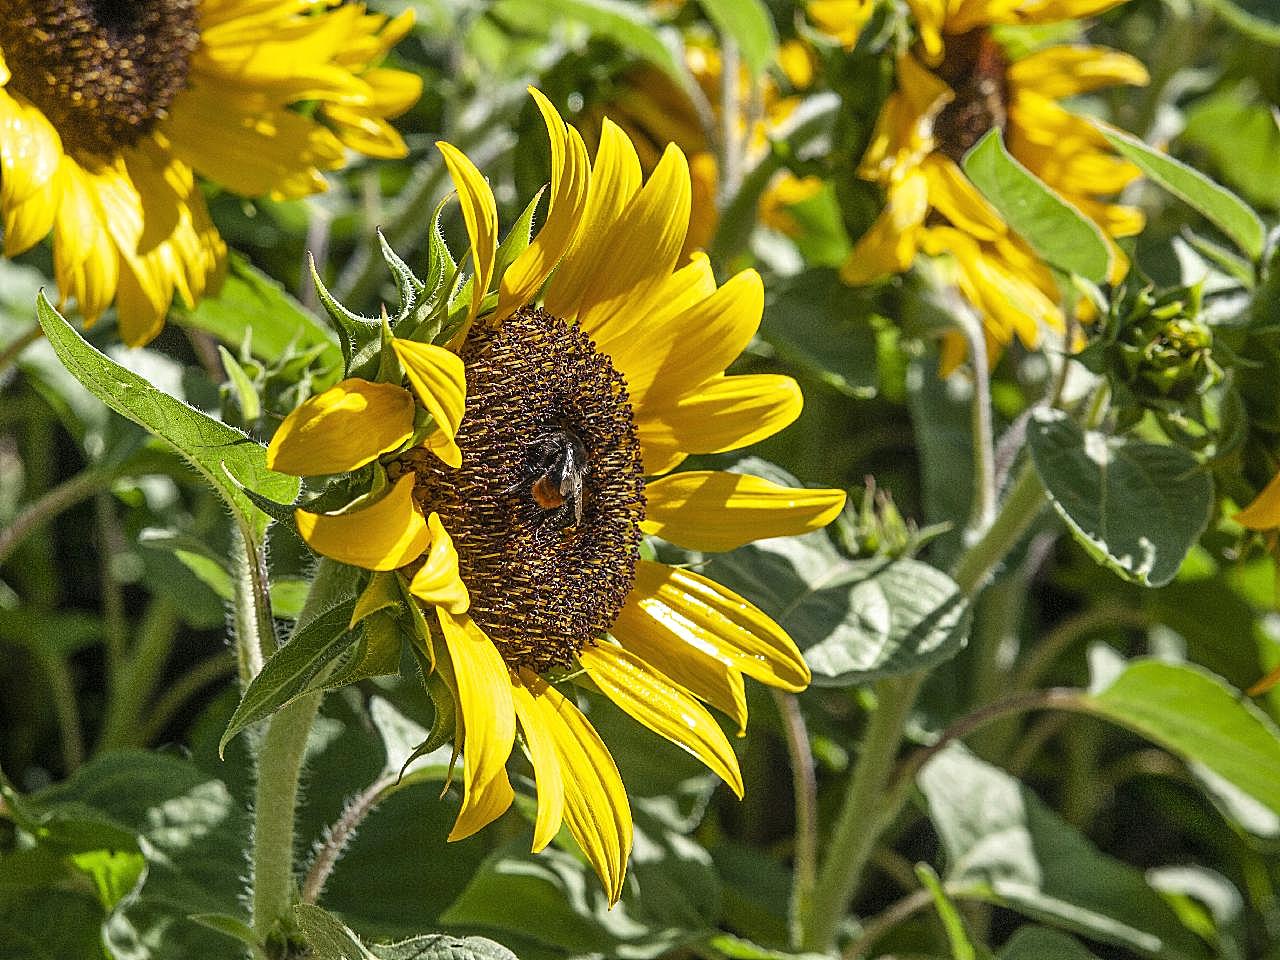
x,y
1094,481
1059,233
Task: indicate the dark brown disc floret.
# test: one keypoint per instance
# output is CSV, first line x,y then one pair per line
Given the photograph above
x,y
545,510
102,71
976,68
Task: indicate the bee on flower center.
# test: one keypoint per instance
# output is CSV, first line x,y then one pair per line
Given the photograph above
x,y
557,464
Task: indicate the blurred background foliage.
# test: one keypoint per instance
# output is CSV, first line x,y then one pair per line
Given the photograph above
x,y
114,589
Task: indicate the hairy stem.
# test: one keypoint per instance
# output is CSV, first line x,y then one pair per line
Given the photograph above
x,y
804,784
339,835
865,811
252,622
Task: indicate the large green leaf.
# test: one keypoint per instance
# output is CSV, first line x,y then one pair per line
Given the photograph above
x,y
207,444
749,24
1237,130
1136,507
1056,230
252,303
1042,943
192,833
1004,844
856,620
1199,717
1223,208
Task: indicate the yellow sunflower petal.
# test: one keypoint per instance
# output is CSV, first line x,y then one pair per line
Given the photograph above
x,y
85,262
570,177
954,196
480,213
546,765
30,156
438,378
1065,71
615,178
383,536
676,353
890,245
596,809
724,413
347,426
841,19
653,226
437,582
707,677
663,707
488,722
1263,512
709,617
715,510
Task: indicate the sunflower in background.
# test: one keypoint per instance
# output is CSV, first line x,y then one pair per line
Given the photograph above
x,y
556,414
655,111
954,85
108,111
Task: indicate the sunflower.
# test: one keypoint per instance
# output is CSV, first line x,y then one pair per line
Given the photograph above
x,y
109,110
953,86
558,412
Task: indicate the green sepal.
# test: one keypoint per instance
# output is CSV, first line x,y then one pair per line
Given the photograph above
x,y
242,387
281,513
354,331
516,241
409,287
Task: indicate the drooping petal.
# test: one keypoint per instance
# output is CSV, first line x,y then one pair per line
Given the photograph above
x,y
570,179
342,429
715,510
724,413
709,617
1263,512
890,245
953,195
1068,70
663,707
596,809
381,593
480,213
439,379
705,676
386,535
437,581
543,755
488,722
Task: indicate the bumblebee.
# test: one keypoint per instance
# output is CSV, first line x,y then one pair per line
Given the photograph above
x,y
556,476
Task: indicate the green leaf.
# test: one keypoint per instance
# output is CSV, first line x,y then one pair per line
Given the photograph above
x,y
1237,130
1056,230
749,24
1136,507
952,923
252,303
437,946
1005,845
1041,943
627,25
328,936
241,386
292,669
860,619
816,322
232,926
205,443
1223,208
1199,717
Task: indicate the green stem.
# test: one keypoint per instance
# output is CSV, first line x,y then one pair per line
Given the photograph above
x,y
60,498
62,692
864,813
137,675
251,620
1021,506
805,788
279,763
14,348
983,509
862,817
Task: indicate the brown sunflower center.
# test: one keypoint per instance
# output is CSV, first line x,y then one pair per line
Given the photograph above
x,y
102,71
976,68
545,511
